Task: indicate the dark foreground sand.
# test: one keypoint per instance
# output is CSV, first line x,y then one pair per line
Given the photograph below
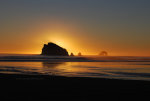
x,y
55,88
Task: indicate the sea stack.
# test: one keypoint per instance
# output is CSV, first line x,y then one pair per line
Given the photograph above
x,y
52,49
79,54
103,53
71,54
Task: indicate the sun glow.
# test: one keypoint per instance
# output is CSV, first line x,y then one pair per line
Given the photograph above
x,y
61,40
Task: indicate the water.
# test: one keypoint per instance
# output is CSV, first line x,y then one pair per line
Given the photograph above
x,y
134,68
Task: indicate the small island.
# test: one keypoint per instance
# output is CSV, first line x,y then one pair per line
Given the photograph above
x,y
103,53
51,49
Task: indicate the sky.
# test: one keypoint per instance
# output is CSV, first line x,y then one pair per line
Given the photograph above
x,y
120,27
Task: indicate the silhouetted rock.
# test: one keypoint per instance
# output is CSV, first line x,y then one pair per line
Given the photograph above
x,y
103,53
79,54
71,54
53,50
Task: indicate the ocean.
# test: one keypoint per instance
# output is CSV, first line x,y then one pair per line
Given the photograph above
x,y
112,67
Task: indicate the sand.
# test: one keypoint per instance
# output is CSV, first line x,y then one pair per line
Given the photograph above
x,y
56,88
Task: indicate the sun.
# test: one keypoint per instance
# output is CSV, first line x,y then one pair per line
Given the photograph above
x,y
60,41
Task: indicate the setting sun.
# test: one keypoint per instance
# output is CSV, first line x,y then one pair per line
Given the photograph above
x,y
88,30
72,50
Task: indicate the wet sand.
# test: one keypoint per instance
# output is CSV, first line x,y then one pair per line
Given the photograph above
x,y
57,88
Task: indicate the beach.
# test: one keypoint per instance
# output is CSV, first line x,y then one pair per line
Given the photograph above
x,y
43,78
57,88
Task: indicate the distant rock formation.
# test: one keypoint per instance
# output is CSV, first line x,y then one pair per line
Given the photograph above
x,y
103,53
71,54
79,54
52,49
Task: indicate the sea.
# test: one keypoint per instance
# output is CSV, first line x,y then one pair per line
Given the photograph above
x,y
112,67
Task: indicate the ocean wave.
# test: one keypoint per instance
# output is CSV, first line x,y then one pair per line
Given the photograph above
x,y
40,58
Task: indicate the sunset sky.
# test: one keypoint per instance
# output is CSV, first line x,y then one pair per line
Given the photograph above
x,y
121,27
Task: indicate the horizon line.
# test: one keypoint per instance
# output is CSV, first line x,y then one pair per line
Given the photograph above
x,y
75,55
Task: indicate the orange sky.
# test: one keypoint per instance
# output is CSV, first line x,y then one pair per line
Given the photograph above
x,y
71,37
120,28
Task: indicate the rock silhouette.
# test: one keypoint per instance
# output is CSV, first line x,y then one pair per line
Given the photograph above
x,y
71,54
79,54
52,49
103,53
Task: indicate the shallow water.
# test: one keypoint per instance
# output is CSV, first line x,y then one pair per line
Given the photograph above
x,y
41,58
117,70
